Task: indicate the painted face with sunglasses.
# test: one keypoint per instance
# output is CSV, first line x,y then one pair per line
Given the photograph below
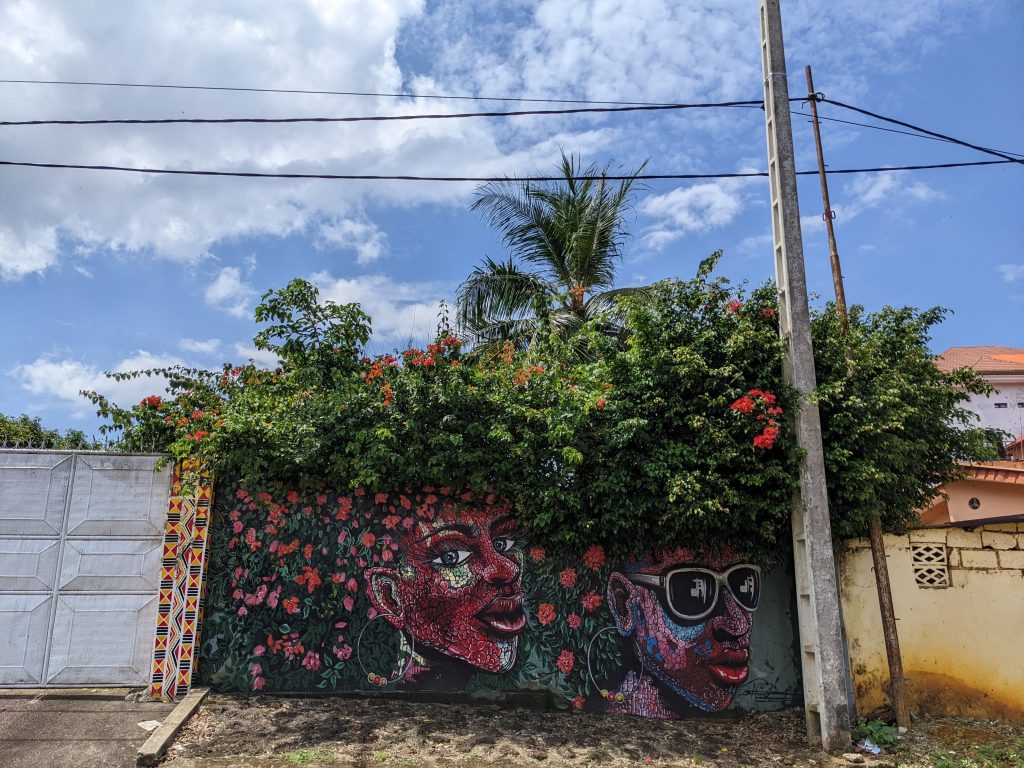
x,y
689,619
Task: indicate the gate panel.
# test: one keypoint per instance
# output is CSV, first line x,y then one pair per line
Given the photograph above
x,y
25,619
33,490
118,496
80,548
101,637
28,565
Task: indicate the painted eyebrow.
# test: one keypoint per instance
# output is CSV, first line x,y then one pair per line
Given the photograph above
x,y
499,521
465,530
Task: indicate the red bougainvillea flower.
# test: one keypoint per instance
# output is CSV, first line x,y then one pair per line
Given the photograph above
x,y
574,621
767,438
593,558
369,539
734,306
291,604
601,403
293,497
153,401
577,703
565,662
567,578
546,613
592,601
537,554
258,683
743,405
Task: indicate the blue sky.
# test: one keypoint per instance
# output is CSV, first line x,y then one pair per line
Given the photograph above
x,y
109,271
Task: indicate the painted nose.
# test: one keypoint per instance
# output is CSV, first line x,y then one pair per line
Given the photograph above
x,y
732,621
499,569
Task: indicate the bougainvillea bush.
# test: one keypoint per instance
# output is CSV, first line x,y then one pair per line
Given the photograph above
x,y
673,433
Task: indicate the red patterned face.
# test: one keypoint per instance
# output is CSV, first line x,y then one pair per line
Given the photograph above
x,y
702,661
458,586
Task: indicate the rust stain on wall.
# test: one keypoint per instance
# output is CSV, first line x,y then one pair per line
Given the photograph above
x,y
937,694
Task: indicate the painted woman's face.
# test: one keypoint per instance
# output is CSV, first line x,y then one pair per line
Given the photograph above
x,y
702,660
458,587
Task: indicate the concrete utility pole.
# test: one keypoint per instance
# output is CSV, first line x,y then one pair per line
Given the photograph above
x,y
897,682
821,642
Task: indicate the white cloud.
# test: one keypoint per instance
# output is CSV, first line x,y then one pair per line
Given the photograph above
x,y
230,293
206,347
357,235
696,208
24,252
258,356
656,50
756,245
1011,272
400,311
61,380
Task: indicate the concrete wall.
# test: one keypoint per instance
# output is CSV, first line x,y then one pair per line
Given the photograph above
x,y
1009,392
430,590
961,642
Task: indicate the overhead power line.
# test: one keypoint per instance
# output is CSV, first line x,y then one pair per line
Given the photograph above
x,y
891,130
917,128
375,177
380,118
444,97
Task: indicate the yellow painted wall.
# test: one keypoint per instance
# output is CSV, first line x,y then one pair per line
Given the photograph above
x,y
962,646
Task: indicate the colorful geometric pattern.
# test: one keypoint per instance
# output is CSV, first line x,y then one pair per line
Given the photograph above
x,y
182,576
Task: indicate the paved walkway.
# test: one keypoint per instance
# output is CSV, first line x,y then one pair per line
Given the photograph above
x,y
73,728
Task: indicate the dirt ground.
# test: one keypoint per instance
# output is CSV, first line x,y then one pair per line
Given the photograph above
x,y
271,732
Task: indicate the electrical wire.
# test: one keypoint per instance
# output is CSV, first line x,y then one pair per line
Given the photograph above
x,y
379,118
913,127
374,177
337,93
887,130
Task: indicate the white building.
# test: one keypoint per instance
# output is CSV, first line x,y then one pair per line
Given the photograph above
x,y
1003,368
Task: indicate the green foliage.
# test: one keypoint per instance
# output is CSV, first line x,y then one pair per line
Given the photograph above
x,y
893,424
670,434
25,431
878,732
634,446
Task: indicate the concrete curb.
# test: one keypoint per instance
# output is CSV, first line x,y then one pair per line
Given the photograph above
x,y
155,746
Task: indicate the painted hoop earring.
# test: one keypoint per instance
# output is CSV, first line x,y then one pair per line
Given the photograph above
x,y
616,696
373,677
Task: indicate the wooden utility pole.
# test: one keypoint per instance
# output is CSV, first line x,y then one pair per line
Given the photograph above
x,y
897,683
826,704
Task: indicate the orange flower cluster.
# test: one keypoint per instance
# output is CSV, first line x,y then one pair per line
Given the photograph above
x,y
523,374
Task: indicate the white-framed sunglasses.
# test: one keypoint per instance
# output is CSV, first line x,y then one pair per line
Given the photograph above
x,y
692,593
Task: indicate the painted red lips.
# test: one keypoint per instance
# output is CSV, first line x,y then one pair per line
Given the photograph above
x,y
729,665
503,616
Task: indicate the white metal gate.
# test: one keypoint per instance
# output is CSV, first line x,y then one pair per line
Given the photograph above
x,y
80,545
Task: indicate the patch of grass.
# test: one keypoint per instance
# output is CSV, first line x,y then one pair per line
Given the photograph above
x,y
984,756
303,756
381,757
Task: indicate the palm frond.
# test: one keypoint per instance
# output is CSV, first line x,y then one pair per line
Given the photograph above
x,y
498,291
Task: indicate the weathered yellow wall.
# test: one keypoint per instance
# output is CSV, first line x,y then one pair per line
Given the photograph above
x,y
962,645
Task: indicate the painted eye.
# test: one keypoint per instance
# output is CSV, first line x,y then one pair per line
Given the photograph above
x,y
452,557
503,543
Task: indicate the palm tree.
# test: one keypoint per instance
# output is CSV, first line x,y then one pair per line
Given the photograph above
x,y
565,240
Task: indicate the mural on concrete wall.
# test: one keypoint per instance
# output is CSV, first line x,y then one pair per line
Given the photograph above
x,y
433,590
